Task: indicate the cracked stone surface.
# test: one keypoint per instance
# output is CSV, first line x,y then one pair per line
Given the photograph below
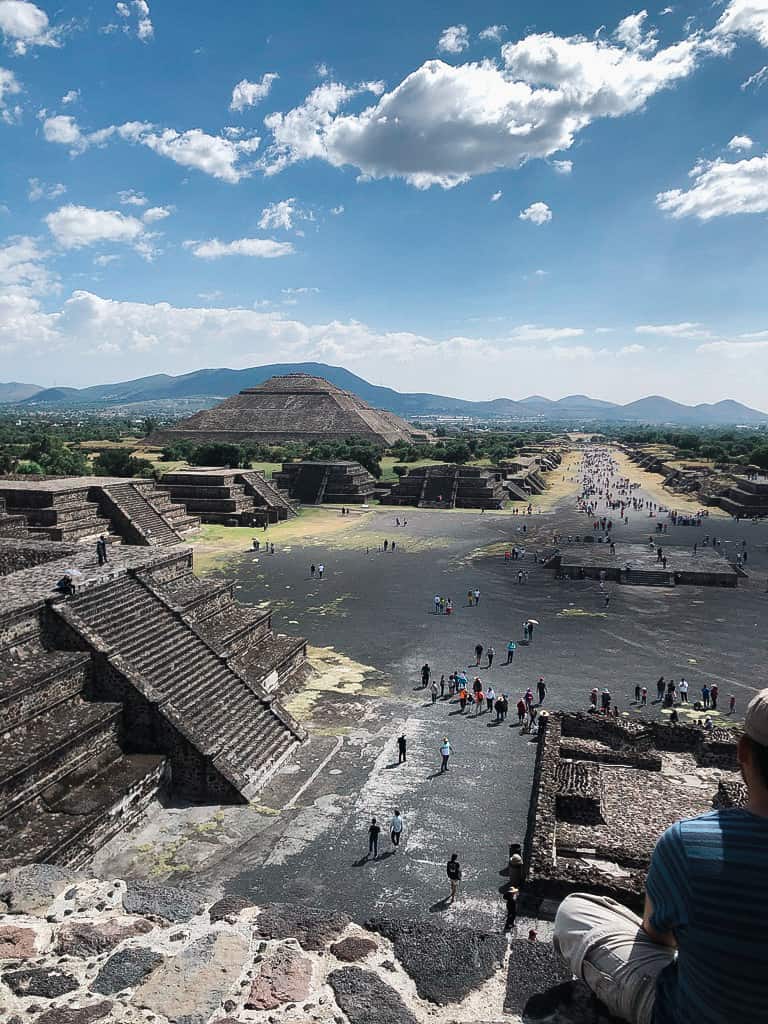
x,y
82,938
313,928
353,948
445,962
82,1015
366,999
45,982
16,943
164,901
126,968
284,977
32,888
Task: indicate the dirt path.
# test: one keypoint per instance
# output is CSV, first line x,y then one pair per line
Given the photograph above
x,y
653,486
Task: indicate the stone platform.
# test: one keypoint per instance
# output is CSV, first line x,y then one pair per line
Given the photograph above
x,y
605,789
638,564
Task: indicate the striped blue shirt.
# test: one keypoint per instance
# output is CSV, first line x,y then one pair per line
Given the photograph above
x,y
708,883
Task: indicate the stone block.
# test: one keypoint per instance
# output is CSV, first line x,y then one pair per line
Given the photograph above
x,y
44,982
80,1015
353,948
16,943
189,988
32,888
125,969
163,901
85,939
228,908
445,962
313,928
366,999
284,977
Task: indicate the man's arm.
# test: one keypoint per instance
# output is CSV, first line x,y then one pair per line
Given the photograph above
x,y
662,938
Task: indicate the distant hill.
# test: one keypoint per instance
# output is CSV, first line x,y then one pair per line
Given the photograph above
x,y
215,384
13,391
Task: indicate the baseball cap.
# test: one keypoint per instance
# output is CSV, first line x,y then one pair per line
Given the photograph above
x,y
756,720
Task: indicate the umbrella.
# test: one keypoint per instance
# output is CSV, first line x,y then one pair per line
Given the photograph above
x,y
533,622
72,572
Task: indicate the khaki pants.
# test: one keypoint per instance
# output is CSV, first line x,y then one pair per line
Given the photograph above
x,y
606,948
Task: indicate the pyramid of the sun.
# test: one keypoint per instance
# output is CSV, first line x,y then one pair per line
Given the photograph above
x,y
295,407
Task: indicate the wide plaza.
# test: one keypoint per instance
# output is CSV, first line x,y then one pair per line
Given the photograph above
x,y
371,625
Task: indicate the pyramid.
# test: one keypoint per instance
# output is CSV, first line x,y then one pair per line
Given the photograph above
x,y
296,407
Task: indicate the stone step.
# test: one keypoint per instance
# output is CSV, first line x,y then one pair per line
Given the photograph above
x,y
134,503
29,685
37,753
233,628
68,828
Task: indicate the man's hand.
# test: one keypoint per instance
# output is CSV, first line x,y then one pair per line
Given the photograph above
x,y
662,938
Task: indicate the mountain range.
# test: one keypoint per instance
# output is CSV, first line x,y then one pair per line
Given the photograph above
x,y
216,384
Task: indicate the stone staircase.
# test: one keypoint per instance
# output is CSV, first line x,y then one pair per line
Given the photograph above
x,y
649,577
66,517
228,721
145,515
323,485
257,485
65,784
11,525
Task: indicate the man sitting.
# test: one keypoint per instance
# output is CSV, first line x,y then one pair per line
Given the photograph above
x,y
699,954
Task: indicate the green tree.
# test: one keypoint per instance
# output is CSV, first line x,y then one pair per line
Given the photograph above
x,y
120,462
759,456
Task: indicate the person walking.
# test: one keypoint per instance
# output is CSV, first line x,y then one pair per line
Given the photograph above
x,y
426,672
373,839
683,691
705,695
436,603
541,689
445,752
453,870
511,648
442,685
470,595
476,595
490,653
661,967
521,709
463,699
490,697
510,898
312,571
499,708
478,653
644,697
433,691
272,551
320,568
401,748
637,694
714,690
101,550
530,625
396,828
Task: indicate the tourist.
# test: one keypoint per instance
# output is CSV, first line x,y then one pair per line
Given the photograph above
x,y
593,695
531,623
469,598
520,576
674,717
272,551
396,828
499,709
433,691
426,672
713,692
401,745
453,870
541,689
373,839
511,648
660,687
637,694
732,705
386,545
644,697
312,571
255,544
476,595
662,967
525,632
504,706
478,653
490,655
437,604
448,606
521,709
683,691
320,568
445,752
479,703
490,697
101,550
442,685
528,699
705,694
392,545
65,586
605,701
463,697
510,898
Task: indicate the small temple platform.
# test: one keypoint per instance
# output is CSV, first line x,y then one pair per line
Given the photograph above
x,y
638,564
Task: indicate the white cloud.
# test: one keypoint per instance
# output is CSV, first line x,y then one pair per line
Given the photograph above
x,y
105,259
264,248
39,190
130,197
9,86
740,142
22,268
537,213
631,33
138,11
337,210
300,291
682,330
496,196
667,10
322,70
540,273
70,97
757,80
278,215
720,189
562,166
532,333
248,94
76,226
219,157
744,17
494,32
443,124
630,350
155,213
733,349
453,39
23,25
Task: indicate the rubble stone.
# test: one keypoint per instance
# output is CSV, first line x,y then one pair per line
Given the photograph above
x,y
285,977
313,928
16,943
125,969
366,999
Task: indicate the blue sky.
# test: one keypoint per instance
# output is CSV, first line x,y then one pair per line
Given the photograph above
x,y
480,200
